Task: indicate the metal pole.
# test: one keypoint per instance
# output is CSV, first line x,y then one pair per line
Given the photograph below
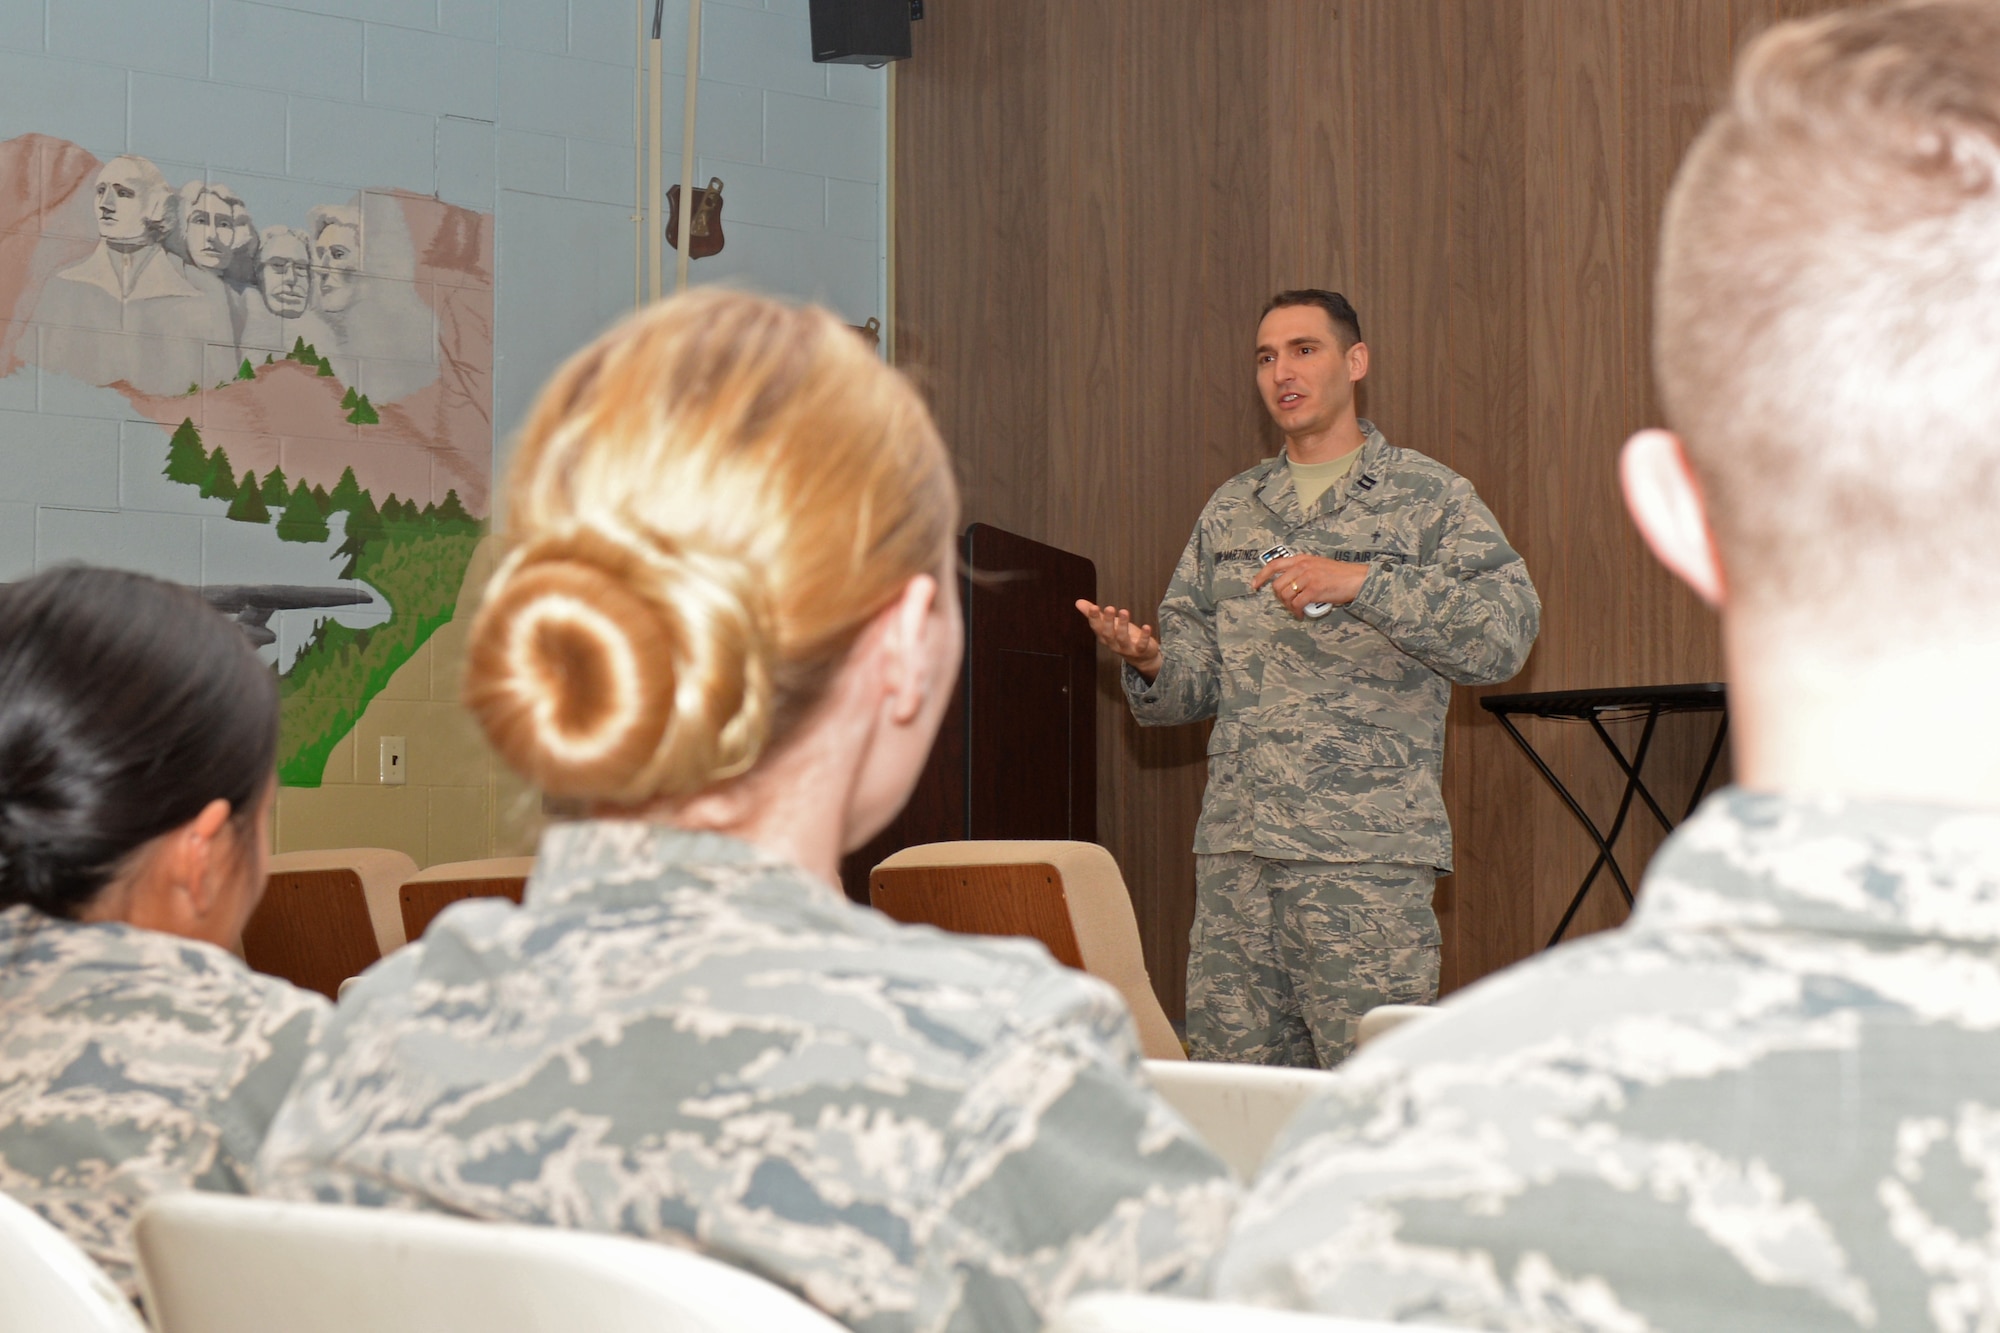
x,y
655,192
687,146
639,141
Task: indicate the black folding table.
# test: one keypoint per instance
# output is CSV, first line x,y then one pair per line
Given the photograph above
x,y
1651,702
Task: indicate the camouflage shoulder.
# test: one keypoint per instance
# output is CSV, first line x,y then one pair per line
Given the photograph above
x,y
274,999
282,997
1411,471
1245,483
1046,994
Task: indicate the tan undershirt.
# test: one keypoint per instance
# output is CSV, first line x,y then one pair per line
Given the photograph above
x,y
1312,480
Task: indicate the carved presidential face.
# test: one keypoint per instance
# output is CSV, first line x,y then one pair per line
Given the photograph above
x,y
124,201
213,234
337,266
284,275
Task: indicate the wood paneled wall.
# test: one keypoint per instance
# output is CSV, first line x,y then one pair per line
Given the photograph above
x,y
1095,197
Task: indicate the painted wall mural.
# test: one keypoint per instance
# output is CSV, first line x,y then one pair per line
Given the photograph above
x,y
304,406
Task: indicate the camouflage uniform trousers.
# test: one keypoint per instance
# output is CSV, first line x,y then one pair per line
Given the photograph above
x,y
1286,956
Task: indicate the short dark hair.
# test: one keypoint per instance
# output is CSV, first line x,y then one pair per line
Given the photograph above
x,y
1345,322
126,705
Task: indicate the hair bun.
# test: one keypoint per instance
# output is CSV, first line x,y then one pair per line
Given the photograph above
x,y
608,670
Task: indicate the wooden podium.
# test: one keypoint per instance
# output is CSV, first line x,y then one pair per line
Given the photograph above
x,y
1016,755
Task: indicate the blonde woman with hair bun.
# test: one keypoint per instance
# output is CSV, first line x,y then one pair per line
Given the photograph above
x,y
726,630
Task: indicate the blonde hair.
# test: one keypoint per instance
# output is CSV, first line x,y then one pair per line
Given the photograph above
x,y
1828,317
707,506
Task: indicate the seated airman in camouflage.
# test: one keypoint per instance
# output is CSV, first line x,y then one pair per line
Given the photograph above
x,y
729,626
1772,1100
138,1056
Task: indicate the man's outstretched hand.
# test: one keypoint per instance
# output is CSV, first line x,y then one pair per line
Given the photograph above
x,y
1137,644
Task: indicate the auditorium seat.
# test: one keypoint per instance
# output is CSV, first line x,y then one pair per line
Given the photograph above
x,y
214,1263
48,1285
1386,1018
1237,1109
429,892
1117,1312
1068,895
327,915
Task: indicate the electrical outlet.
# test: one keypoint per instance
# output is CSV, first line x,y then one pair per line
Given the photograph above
x,y
395,761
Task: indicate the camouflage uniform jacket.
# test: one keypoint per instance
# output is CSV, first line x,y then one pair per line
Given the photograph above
x,y
679,1037
1329,734
1771,1101
134,1063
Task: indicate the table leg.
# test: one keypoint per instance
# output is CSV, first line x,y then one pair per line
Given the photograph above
x,y
1632,784
1631,769
1605,858
1708,769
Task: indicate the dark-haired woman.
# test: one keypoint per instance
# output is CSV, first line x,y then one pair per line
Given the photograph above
x,y
138,1056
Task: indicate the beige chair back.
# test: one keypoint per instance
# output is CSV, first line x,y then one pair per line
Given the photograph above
x,y
1387,1018
1237,1109
1124,1312
217,1263
430,891
48,1285
327,915
1068,895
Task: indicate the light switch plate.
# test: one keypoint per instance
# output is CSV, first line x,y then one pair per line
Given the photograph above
x,y
395,761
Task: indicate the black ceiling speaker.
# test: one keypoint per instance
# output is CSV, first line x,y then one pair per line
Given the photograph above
x,y
860,32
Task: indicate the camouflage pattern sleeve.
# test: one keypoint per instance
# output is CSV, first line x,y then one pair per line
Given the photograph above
x,y
682,1039
1770,1101
1189,686
134,1063
1469,612
1071,1175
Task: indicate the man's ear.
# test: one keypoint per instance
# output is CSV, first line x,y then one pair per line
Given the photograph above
x,y
1666,506
1357,362
906,631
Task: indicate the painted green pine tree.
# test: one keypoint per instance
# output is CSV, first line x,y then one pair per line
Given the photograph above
x,y
346,492
364,525
321,500
248,506
246,371
275,491
347,403
452,513
187,459
302,520
220,482
364,413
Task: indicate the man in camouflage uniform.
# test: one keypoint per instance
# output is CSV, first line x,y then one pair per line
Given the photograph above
x,y
681,1037
1772,1100
133,1063
1323,827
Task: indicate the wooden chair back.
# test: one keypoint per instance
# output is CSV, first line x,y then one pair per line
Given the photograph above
x,y
1068,895
312,929
423,900
428,892
1024,899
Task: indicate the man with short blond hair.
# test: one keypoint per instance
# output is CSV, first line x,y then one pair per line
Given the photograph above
x,y
1773,1099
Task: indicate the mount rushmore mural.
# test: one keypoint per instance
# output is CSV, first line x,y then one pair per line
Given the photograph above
x,y
303,394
